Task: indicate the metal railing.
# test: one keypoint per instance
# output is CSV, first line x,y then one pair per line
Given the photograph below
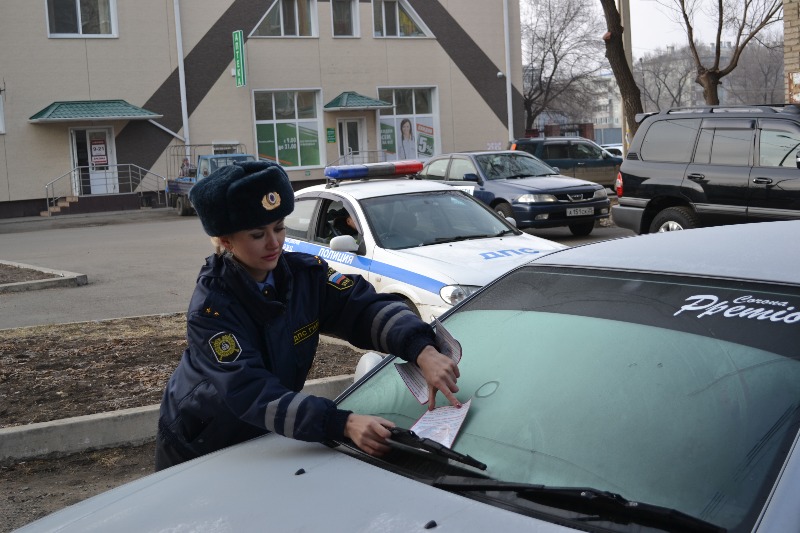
x,y
112,179
359,158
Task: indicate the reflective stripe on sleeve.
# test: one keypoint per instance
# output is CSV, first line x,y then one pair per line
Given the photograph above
x,y
380,334
289,414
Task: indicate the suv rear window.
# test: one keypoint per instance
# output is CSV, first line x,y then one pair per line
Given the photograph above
x,y
670,141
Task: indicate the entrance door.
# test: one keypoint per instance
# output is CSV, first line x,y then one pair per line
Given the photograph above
x,y
351,140
94,157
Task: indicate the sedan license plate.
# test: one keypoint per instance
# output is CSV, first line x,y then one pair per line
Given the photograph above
x,y
579,211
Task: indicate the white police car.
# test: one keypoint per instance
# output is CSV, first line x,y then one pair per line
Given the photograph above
x,y
427,242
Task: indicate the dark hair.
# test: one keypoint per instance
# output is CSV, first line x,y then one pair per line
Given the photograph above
x,y
410,127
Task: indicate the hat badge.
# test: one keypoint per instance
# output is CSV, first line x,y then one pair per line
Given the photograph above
x,y
271,200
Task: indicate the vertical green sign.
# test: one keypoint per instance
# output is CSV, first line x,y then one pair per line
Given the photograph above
x,y
238,57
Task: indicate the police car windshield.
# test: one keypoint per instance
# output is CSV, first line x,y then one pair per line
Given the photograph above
x,y
501,166
426,218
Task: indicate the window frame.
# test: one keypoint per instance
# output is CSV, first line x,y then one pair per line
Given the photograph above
x,y
355,20
296,120
422,109
112,14
409,11
314,20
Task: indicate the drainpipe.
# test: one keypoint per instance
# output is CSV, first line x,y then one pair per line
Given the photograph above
x,y
182,74
509,107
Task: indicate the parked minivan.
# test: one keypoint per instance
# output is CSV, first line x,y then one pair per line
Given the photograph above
x,y
573,156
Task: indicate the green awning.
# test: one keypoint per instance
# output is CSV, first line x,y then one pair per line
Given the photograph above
x,y
95,110
349,100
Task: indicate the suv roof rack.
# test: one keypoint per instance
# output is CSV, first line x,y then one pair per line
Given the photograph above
x,y
336,174
744,108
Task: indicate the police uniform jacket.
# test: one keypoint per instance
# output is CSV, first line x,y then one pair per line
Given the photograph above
x,y
249,351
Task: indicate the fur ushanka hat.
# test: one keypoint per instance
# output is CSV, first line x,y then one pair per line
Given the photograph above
x,y
242,196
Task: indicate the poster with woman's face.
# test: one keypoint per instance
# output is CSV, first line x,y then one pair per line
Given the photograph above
x,y
406,140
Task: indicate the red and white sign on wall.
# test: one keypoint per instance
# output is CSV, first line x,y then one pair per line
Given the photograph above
x,y
99,154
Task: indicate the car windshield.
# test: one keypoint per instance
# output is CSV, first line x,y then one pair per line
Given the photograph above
x,y
427,218
667,390
512,165
219,162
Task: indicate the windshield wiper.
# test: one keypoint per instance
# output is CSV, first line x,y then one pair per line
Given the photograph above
x,y
411,439
607,505
440,240
503,232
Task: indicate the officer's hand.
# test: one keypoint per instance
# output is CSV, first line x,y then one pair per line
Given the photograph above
x,y
441,373
369,433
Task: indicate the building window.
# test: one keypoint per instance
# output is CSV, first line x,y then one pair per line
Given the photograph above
x,y
396,18
289,18
288,128
407,129
85,18
345,18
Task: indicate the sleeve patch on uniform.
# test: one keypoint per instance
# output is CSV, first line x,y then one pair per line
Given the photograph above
x,y
225,347
338,280
306,332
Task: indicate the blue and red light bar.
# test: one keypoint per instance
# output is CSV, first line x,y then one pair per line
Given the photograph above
x,y
373,170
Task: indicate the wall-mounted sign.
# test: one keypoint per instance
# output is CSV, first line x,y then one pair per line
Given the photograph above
x,y
238,58
331,135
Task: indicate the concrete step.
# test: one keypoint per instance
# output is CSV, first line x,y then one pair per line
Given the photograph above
x,y
111,429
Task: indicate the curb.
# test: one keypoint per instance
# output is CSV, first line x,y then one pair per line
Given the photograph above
x,y
126,427
63,279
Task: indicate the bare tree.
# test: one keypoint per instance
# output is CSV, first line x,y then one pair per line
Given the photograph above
x,y
560,40
759,77
743,19
664,79
615,53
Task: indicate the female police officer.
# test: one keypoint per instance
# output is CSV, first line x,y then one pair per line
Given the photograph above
x,y
253,326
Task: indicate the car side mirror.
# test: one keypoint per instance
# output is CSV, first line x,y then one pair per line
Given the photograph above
x,y
366,362
512,221
471,176
558,170
344,243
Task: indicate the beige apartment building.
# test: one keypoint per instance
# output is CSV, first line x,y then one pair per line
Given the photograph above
x,y
99,97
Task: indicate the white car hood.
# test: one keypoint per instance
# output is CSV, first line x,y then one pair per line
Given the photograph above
x,y
477,261
277,484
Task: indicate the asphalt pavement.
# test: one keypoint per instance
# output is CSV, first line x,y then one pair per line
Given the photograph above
x,y
135,262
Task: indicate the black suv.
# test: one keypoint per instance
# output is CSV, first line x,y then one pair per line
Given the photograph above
x,y
712,165
573,156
